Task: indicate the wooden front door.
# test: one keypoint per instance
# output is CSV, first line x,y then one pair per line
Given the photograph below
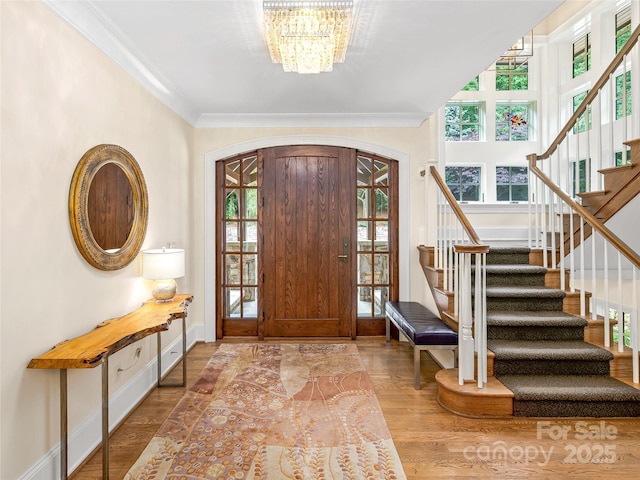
x,y
308,228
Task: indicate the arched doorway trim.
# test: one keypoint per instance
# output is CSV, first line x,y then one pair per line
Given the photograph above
x,y
212,156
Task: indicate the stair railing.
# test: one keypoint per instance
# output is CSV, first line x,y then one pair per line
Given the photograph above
x,y
559,223
458,253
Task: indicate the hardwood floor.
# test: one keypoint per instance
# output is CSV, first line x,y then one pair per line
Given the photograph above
x,y
432,443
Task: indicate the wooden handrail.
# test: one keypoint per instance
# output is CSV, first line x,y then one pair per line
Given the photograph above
x,y
462,218
596,224
593,93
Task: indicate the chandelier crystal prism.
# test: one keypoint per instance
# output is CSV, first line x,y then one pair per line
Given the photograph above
x,y
307,36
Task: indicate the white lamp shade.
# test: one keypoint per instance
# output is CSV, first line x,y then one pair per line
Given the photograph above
x,y
163,263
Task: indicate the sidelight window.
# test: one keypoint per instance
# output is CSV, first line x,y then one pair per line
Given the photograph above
x,y
373,251
239,241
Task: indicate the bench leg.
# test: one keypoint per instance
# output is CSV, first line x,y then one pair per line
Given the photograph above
x,y
416,368
455,357
388,327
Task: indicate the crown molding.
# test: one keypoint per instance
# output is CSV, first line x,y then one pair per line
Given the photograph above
x,y
87,19
316,120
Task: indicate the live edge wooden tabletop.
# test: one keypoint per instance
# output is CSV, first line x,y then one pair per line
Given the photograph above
x,y
91,349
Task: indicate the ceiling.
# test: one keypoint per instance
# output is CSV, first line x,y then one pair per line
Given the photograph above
x,y
207,60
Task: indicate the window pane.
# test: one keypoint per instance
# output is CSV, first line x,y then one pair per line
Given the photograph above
x,y
581,55
519,193
250,203
250,269
519,175
232,269
452,114
232,205
381,269
364,302
452,175
250,236
519,82
382,236
250,171
502,132
381,173
470,175
469,133
381,295
232,241
232,302
452,133
382,203
232,173
470,193
502,82
363,206
364,171
623,27
502,175
502,193
473,85
365,239
470,114
364,269
249,302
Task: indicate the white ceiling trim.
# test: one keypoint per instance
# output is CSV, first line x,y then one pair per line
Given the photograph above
x,y
317,120
87,19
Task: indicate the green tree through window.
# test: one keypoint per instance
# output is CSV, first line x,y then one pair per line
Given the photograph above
x,y
512,184
580,174
472,86
623,95
462,122
582,55
464,183
512,122
511,76
623,27
584,122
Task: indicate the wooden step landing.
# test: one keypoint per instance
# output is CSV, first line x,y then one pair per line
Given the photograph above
x,y
493,400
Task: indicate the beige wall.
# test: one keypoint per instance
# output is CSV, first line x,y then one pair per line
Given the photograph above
x,y
61,96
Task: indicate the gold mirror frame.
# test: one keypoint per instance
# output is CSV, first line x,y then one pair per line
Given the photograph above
x,y
87,167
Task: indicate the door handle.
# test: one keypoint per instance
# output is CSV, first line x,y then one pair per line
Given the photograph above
x,y
345,250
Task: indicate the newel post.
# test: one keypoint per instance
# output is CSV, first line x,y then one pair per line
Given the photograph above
x,y
471,309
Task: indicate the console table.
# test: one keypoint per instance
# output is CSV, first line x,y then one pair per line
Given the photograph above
x,y
95,347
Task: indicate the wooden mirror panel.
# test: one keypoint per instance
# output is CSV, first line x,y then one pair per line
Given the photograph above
x,y
108,207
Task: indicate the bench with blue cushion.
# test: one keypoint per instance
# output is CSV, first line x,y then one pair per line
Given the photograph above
x,y
422,329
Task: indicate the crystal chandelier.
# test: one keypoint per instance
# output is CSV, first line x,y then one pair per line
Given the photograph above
x,y
307,36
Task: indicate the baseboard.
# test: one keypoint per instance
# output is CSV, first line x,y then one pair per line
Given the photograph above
x,y
84,439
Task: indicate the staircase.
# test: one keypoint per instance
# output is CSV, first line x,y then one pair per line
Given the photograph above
x,y
532,341
541,364
621,185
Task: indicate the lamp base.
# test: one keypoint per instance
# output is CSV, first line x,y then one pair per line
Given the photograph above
x,y
164,290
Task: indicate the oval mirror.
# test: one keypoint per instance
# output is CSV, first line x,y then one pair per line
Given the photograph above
x,y
108,207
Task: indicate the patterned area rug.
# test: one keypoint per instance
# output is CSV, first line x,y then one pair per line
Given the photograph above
x,y
275,411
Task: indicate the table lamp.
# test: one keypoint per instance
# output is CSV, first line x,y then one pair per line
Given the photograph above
x,y
163,265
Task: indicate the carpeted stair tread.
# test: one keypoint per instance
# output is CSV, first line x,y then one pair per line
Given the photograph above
x,y
547,350
593,388
524,292
504,249
515,269
534,318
